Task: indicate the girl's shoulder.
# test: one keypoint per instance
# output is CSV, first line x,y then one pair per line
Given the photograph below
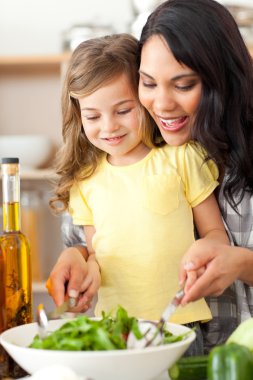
x,y
190,149
194,148
188,158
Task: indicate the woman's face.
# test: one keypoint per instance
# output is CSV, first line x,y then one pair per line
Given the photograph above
x,y
169,90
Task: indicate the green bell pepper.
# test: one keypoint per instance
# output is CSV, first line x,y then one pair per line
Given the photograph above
x,y
243,334
230,362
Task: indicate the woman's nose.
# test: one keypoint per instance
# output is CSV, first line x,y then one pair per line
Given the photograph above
x,y
164,101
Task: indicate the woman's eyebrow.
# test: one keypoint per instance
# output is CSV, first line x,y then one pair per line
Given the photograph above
x,y
146,75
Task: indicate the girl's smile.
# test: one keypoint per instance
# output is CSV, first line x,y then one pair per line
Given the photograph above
x,y
169,90
114,140
110,117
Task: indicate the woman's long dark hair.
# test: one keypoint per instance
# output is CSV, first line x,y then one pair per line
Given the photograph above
x,y
203,35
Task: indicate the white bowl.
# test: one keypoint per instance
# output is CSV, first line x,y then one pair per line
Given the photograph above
x,y
131,364
33,151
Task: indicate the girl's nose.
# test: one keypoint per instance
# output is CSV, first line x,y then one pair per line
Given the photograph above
x,y
109,124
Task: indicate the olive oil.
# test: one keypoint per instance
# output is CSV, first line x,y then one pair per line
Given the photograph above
x,y
2,295
15,261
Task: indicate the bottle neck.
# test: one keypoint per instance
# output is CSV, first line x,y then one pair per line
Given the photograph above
x,y
11,197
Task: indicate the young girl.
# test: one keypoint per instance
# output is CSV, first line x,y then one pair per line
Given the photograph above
x,y
135,201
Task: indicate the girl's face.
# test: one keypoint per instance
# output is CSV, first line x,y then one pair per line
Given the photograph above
x,y
170,91
110,120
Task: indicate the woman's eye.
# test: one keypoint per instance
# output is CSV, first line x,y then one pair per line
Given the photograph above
x,y
186,87
148,84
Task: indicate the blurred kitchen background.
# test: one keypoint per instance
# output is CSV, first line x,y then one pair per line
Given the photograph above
x,y
36,39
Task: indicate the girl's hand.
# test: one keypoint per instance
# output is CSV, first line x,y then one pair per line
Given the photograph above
x,y
90,284
191,277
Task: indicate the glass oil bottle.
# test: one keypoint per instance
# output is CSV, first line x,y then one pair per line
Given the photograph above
x,y
15,262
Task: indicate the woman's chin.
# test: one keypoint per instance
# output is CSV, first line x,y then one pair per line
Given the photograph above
x,y
175,139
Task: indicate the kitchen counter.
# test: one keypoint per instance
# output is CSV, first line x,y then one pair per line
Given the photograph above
x,y
164,376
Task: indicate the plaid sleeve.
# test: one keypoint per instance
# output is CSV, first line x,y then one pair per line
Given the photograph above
x,y
240,226
236,303
71,234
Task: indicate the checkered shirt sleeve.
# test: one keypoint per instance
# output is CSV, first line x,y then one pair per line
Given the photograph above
x,y
241,228
71,234
236,303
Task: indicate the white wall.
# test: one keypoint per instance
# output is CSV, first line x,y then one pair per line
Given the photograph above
x,y
247,3
36,26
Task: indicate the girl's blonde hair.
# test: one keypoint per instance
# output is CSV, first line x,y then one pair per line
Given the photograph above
x,y
93,63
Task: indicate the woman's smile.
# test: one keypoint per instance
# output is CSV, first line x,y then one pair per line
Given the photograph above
x,y
169,90
175,124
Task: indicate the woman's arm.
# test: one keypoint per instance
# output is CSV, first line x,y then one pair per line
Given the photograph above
x,y
72,235
68,274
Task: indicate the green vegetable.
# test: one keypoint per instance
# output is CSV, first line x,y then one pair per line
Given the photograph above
x,y
243,334
230,362
168,337
85,334
190,368
82,334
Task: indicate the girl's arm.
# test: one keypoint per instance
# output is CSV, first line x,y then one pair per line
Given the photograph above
x,y
90,279
208,221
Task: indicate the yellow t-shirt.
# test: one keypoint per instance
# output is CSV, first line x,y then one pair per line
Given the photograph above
x,y
142,214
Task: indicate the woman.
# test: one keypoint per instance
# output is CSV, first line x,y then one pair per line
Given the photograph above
x,y
202,36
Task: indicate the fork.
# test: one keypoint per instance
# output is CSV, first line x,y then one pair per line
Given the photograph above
x,y
153,331
42,317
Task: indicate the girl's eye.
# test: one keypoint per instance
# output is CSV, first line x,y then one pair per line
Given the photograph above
x,y
90,118
125,111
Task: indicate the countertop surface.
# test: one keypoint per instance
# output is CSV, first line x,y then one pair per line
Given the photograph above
x,y
164,376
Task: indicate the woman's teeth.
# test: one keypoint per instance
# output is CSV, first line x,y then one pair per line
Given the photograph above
x,y
172,122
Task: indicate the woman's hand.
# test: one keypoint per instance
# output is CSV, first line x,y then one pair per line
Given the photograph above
x,y
211,268
74,277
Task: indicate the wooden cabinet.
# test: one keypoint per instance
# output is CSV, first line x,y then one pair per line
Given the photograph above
x,y
30,94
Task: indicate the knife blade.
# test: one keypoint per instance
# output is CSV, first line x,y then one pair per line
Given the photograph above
x,y
65,306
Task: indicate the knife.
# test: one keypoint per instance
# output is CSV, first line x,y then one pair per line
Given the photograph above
x,y
65,306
